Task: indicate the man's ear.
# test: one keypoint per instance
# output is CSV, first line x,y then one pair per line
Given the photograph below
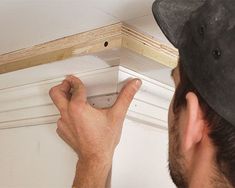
x,y
194,123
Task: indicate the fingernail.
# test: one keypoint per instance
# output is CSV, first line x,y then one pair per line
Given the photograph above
x,y
69,76
138,83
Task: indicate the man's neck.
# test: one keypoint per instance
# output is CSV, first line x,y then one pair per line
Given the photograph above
x,y
203,172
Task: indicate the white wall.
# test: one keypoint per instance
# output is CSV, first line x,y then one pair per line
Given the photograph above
x,y
34,157
141,158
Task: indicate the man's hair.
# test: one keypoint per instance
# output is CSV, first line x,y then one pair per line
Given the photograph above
x,y
222,133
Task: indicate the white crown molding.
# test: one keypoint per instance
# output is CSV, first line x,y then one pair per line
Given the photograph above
x,y
30,104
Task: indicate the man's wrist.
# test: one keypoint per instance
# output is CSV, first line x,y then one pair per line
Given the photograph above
x,y
104,165
92,172
104,160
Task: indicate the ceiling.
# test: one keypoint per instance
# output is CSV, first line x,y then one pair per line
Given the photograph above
x,y
25,23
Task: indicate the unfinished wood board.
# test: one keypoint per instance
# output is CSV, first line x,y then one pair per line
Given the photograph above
x,y
116,36
148,47
83,43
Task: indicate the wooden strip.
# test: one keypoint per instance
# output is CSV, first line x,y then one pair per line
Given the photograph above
x,y
114,36
82,44
148,47
149,40
82,49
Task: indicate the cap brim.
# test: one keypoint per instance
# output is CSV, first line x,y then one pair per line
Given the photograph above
x,y
171,16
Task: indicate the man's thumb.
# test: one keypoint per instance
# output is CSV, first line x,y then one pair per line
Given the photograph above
x,y
126,96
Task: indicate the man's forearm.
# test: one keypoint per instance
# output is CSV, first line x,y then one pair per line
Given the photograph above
x,y
92,174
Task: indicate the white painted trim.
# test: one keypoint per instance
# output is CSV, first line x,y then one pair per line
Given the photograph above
x,y
30,104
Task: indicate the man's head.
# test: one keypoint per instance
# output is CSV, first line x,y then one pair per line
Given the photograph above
x,y
198,133
202,113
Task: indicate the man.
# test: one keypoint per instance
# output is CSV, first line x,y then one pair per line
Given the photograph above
x,y
201,115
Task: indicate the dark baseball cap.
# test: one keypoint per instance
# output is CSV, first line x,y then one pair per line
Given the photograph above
x,y
204,33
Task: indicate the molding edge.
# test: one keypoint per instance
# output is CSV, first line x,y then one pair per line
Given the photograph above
x,y
30,104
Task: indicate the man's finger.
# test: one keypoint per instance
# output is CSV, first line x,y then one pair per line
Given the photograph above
x,y
125,97
78,89
59,95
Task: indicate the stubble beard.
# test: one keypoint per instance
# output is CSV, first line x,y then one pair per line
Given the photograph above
x,y
176,160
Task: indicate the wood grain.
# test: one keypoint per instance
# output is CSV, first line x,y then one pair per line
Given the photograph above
x,y
83,43
114,36
147,46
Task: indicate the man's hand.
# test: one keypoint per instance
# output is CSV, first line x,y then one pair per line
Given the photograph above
x,y
92,133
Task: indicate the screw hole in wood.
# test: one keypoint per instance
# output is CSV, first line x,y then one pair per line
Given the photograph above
x,y
106,43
